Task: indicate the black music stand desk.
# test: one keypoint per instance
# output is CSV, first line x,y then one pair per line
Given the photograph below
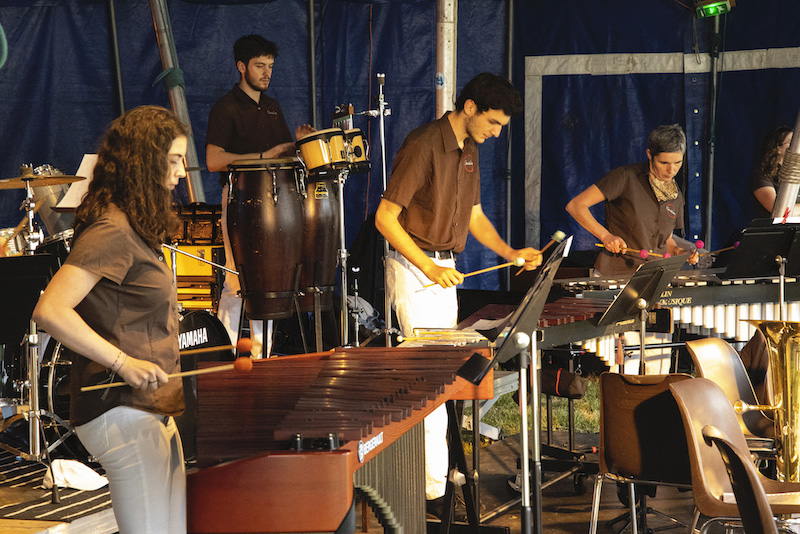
x,y
640,294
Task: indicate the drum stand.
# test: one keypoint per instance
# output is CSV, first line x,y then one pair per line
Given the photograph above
x,y
343,254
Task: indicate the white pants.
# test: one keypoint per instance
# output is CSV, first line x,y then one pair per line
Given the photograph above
x,y
229,311
433,307
143,459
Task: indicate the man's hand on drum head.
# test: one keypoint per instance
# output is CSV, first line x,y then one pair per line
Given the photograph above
x,y
283,149
303,130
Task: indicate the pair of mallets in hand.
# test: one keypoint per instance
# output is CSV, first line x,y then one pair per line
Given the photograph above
x,y
557,237
644,254
242,364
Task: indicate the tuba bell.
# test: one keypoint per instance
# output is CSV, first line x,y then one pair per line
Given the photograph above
x,y
783,346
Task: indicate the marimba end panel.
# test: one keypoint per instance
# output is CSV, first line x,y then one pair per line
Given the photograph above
x,y
243,496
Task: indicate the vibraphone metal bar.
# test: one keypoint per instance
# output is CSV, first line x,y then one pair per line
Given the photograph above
x,y
702,303
371,399
567,320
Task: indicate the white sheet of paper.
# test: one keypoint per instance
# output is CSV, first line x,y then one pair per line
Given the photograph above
x,y
77,190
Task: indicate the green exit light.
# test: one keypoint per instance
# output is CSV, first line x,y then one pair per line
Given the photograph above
x,y
712,9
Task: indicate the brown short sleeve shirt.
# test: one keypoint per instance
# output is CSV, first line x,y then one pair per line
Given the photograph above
x,y
240,125
437,184
633,213
133,306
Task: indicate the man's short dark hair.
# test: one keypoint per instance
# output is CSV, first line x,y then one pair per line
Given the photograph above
x,y
667,138
490,91
249,46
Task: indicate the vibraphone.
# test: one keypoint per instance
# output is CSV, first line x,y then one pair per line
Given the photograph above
x,y
703,303
260,466
565,321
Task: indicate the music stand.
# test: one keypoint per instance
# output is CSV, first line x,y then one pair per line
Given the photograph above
x,y
524,322
760,243
640,295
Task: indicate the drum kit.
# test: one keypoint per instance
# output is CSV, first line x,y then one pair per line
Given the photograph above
x,y
30,259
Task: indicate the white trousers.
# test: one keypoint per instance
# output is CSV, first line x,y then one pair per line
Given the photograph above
x,y
142,456
433,307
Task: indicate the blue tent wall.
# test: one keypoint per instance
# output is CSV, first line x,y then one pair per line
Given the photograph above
x,y
591,124
57,89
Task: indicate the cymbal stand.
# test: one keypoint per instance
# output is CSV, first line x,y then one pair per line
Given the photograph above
x,y
34,237
33,413
382,112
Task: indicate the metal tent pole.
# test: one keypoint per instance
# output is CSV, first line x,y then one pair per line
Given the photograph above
x,y
712,140
312,62
174,82
115,50
510,68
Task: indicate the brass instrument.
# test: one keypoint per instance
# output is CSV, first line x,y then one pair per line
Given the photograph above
x,y
783,344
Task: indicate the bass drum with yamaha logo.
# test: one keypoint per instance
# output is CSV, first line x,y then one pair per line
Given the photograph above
x,y
198,329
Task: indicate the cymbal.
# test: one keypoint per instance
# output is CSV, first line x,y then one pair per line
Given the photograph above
x,y
19,182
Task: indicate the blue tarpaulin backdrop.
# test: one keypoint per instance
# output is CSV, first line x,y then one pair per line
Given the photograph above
x,y
57,90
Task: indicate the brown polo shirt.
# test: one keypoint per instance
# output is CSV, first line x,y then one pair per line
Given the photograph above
x,y
240,125
633,213
133,306
437,184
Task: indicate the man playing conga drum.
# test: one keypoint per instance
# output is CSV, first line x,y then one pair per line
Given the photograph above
x,y
246,124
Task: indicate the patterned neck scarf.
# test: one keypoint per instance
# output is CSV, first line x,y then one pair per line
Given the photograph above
x,y
663,190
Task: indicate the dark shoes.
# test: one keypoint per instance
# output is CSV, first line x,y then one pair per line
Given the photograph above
x,y
434,509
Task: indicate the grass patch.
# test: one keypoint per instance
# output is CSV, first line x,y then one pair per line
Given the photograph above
x,y
505,413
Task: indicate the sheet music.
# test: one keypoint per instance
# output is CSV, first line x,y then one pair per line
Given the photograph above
x,y
77,190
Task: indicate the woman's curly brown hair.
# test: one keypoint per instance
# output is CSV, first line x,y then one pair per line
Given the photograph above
x,y
131,172
769,150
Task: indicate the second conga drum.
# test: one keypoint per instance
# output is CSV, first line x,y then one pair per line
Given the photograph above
x,y
323,151
357,151
320,244
265,226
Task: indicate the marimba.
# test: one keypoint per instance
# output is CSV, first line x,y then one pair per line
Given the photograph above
x,y
281,448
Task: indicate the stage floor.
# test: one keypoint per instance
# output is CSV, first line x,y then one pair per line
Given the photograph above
x,y
564,511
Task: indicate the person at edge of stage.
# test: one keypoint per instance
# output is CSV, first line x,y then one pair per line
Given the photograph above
x,y
246,124
643,205
764,183
431,203
114,303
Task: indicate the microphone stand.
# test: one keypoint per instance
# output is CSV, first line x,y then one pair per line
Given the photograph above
x,y
382,112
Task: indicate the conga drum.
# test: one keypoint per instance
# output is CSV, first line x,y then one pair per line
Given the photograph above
x,y
357,151
323,151
265,226
320,244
